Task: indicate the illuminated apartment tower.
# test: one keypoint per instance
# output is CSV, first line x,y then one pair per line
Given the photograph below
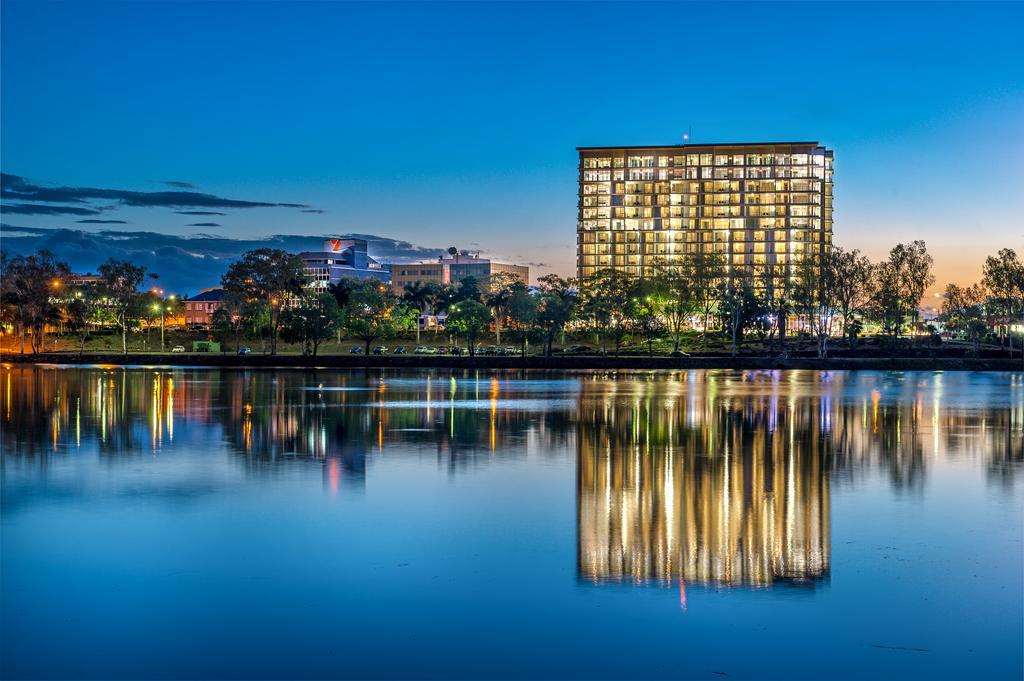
x,y
758,204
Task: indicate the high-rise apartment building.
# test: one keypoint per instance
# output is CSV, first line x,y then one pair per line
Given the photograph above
x,y
758,204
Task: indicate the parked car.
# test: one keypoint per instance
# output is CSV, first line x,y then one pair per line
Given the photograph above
x,y
511,351
400,350
577,350
440,350
380,350
425,350
178,348
356,350
455,350
244,351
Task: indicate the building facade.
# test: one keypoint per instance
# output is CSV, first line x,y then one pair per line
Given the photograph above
x,y
453,269
759,205
342,258
422,272
199,309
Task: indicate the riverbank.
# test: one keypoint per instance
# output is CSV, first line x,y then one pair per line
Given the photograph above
x,y
559,362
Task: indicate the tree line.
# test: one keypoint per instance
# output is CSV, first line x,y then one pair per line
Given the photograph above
x,y
267,297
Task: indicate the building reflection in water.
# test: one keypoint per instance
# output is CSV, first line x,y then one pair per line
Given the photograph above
x,y
724,478
687,484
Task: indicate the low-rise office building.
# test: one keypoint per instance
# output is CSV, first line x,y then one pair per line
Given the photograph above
x,y
341,258
452,269
417,272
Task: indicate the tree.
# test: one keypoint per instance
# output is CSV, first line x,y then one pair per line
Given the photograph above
x,y
522,312
645,313
119,285
499,293
421,296
342,290
269,275
885,306
605,305
31,288
445,296
963,312
815,295
851,282
778,302
468,289
916,274
372,313
675,291
80,314
898,284
707,274
469,319
1003,275
311,322
227,319
556,304
740,309
255,321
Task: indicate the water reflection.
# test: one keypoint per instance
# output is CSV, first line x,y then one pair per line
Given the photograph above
x,y
213,523
693,487
724,478
701,477
264,418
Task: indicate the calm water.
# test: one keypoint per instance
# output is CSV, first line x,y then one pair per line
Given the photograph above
x,y
212,523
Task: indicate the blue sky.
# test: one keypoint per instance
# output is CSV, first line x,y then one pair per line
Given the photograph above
x,y
456,124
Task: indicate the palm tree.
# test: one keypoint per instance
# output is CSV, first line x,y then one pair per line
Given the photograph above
x,y
498,297
422,297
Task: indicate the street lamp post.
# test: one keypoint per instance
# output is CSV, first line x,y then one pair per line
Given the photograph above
x,y
160,308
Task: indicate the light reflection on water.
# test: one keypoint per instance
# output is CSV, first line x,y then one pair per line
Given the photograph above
x,y
543,520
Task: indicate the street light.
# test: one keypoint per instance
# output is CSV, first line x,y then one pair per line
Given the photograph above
x,y
160,309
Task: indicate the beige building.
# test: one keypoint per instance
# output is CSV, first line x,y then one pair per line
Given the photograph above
x,y
453,269
761,204
424,272
520,272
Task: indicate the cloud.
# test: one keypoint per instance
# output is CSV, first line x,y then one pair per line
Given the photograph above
x,y
20,189
184,263
311,210
180,185
31,209
101,222
201,212
204,224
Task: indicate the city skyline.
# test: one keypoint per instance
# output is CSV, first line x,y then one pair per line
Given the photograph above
x,y
293,121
